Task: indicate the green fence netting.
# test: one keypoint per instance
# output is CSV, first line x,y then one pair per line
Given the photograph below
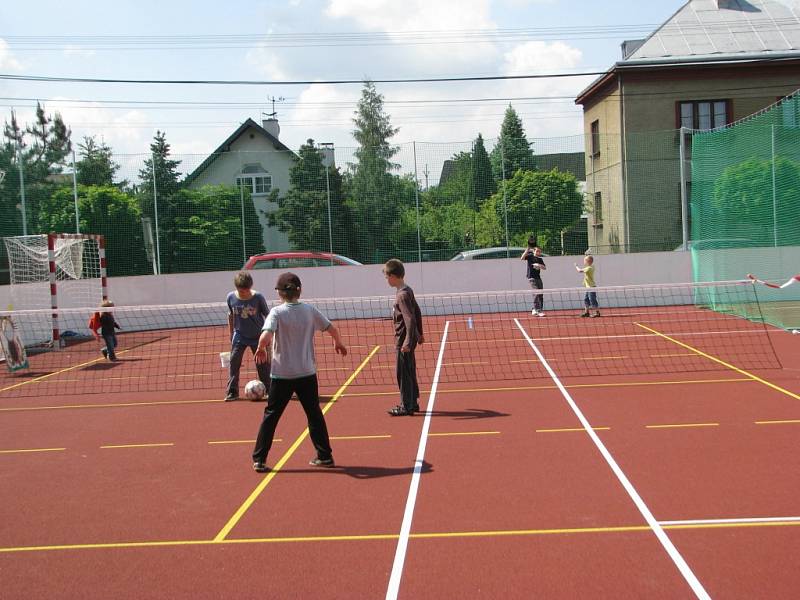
x,y
745,205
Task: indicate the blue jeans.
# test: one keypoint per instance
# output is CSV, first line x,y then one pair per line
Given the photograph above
x,y
590,300
111,342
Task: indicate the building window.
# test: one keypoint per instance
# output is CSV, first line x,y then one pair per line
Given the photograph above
x,y
595,138
789,109
704,114
257,184
598,208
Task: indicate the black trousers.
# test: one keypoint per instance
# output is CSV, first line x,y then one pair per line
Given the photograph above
x,y
280,392
538,299
237,354
407,379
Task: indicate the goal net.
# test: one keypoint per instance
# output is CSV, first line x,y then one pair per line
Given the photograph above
x,y
50,271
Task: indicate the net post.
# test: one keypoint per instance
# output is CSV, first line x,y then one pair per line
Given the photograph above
x,y
101,250
51,265
684,200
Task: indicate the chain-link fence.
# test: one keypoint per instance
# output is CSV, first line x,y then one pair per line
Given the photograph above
x,y
163,213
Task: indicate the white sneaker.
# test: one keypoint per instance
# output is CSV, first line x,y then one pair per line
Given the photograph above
x,y
535,312
540,313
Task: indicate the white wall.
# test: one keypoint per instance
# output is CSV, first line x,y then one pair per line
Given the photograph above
x,y
425,278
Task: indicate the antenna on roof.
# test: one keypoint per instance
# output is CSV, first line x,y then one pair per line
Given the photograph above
x,y
273,99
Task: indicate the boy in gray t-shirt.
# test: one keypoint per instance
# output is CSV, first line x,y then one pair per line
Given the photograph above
x,y
247,311
289,330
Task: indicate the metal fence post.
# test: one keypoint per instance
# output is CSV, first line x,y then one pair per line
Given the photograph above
x,y
75,194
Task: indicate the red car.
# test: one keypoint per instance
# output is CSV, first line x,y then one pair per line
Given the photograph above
x,y
296,259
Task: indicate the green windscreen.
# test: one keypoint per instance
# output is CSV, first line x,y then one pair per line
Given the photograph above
x,y
745,207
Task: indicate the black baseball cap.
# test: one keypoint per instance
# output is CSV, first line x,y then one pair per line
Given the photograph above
x,y
288,282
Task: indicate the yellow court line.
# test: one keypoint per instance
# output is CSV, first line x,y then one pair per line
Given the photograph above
x,y
360,437
677,425
43,377
673,355
136,446
117,405
394,393
575,385
777,422
240,441
223,533
464,433
722,362
394,536
571,429
67,370
31,450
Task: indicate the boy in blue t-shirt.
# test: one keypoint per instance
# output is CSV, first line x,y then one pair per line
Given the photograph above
x,y
247,311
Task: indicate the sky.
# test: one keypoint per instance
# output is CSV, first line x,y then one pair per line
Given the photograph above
x,y
314,41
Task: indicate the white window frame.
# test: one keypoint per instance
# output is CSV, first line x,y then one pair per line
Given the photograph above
x,y
259,184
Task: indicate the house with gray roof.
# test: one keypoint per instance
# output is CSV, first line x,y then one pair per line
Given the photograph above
x,y
711,63
253,159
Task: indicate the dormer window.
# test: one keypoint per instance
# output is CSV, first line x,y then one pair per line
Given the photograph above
x,y
255,178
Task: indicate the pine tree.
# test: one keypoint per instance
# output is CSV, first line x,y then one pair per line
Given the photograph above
x,y
96,166
483,184
162,170
513,150
38,150
375,193
303,212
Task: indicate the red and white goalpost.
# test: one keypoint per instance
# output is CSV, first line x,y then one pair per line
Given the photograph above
x,y
53,271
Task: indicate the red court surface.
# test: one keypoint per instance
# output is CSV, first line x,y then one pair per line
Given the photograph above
x,y
562,484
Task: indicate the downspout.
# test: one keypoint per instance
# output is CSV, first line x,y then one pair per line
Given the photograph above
x,y
624,170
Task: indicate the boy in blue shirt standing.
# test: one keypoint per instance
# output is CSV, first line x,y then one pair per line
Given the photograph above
x,y
247,311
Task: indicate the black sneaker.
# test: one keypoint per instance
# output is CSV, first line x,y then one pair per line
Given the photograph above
x,y
104,352
400,411
229,397
322,462
260,467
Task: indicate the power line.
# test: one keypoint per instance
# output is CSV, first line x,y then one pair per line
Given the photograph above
x,y
51,79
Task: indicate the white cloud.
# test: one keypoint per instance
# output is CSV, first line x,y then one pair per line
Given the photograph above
x,y
413,15
266,63
399,19
7,60
540,57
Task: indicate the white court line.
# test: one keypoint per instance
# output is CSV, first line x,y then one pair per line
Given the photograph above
x,y
733,521
405,528
676,557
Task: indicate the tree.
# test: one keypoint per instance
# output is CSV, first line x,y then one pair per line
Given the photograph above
x,y
107,211
513,150
38,150
303,211
744,205
206,230
161,172
541,203
483,182
374,193
96,166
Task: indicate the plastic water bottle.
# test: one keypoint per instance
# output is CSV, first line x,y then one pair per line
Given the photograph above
x,y
469,322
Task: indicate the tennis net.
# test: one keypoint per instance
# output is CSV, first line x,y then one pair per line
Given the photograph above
x,y
477,337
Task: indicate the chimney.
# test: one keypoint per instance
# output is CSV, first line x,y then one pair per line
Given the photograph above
x,y
272,127
630,46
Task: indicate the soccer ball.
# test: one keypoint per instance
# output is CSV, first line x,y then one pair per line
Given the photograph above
x,y
255,390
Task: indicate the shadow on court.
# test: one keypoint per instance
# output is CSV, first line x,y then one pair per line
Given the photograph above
x,y
467,414
364,471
